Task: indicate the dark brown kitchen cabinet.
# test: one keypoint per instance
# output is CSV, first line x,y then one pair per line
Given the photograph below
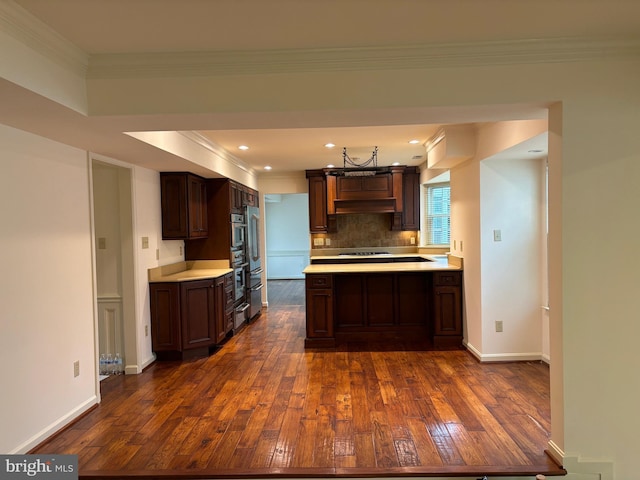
x,y
317,201
220,309
189,318
224,197
197,314
334,192
411,199
447,308
319,310
229,299
165,317
184,206
416,306
380,301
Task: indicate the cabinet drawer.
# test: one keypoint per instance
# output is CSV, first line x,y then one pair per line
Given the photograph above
x,y
447,278
319,281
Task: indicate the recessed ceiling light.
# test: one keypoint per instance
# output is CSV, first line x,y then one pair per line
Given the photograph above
x,y
329,145
331,165
395,164
414,141
536,151
243,147
267,167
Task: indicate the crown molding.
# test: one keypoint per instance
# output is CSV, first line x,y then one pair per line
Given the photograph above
x,y
30,31
531,51
217,150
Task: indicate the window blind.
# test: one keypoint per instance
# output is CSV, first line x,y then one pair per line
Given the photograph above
x,y
437,219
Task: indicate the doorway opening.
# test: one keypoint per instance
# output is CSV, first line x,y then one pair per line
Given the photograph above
x,y
286,236
114,261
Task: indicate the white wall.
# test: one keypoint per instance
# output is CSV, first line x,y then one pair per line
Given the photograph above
x,y
513,267
148,223
46,289
287,236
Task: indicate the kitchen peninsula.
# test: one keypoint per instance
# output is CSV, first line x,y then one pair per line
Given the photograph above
x,y
381,296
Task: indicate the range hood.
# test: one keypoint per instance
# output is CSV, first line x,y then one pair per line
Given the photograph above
x,y
376,190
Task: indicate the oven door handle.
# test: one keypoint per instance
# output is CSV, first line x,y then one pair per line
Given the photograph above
x,y
258,271
242,265
256,288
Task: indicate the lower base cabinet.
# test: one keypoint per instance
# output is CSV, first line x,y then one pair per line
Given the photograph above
x,y
191,318
414,306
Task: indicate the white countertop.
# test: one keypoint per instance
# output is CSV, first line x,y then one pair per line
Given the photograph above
x,y
438,263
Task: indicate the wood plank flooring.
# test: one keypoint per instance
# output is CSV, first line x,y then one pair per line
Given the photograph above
x,y
263,406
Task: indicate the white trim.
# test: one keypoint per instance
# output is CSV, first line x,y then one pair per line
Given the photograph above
x,y
588,468
217,150
241,62
31,31
504,357
52,428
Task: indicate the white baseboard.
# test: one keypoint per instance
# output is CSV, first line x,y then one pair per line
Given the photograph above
x,y
579,468
48,431
504,357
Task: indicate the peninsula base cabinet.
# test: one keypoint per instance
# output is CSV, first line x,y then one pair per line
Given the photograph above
x,y
189,319
447,309
423,307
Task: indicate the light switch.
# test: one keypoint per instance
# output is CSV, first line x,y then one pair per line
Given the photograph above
x,y
497,235
145,242
318,242
102,243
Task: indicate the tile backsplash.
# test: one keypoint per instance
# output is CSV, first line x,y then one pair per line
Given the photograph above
x,y
364,230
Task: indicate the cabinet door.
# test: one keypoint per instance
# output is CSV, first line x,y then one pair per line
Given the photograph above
x,y
350,301
319,306
220,308
412,299
175,221
379,297
184,206
165,316
317,204
447,311
197,313
235,191
197,188
319,313
411,200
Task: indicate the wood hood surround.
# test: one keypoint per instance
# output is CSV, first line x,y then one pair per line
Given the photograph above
x,y
390,190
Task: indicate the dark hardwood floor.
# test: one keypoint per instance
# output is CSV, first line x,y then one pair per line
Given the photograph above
x,y
263,406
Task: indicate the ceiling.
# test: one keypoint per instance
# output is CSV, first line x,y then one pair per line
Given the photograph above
x,y
122,27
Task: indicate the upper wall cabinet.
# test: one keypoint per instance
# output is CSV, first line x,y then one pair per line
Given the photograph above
x,y
184,206
392,190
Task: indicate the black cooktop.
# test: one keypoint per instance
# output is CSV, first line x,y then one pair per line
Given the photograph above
x,y
365,253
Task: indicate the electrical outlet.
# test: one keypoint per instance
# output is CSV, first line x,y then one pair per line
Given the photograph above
x,y
157,254
76,368
413,240
498,326
146,330
455,244
460,245
327,241
181,250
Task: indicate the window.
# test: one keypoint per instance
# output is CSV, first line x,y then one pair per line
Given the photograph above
x,y
437,218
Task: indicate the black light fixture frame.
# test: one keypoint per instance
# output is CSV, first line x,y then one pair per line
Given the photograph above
x,y
370,162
